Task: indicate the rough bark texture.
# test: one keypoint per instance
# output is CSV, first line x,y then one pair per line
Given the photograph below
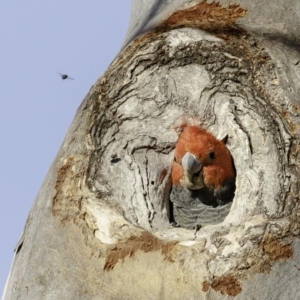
x,y
100,227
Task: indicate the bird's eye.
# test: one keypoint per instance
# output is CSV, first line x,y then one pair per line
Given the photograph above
x,y
212,155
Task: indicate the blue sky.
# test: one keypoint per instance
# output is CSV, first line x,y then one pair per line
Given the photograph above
x,y
39,39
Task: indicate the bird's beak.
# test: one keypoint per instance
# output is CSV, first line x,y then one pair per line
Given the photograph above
x,y
193,175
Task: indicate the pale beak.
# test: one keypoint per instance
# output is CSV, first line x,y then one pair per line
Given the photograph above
x,y
193,175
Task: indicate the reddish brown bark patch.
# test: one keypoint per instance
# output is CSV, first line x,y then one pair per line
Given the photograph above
x,y
146,242
276,250
205,286
66,203
63,173
206,16
226,285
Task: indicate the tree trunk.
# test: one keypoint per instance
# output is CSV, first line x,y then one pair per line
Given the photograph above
x,y
100,227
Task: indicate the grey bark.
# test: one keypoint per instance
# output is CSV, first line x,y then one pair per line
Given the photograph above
x,y
100,226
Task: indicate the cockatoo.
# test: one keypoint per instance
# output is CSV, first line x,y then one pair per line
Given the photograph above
x,y
203,177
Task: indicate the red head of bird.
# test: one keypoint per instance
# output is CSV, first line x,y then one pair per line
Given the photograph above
x,y
201,160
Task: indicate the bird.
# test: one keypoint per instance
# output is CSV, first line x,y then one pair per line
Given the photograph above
x,y
203,177
65,76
